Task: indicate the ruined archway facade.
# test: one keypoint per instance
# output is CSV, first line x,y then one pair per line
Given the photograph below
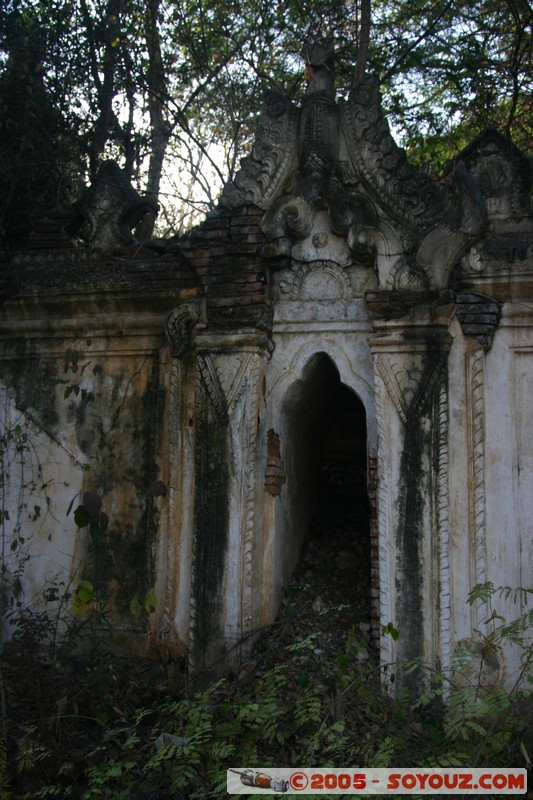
x,y
329,262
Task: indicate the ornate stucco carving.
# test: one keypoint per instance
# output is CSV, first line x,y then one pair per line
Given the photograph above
x,y
290,216
410,378
225,375
318,129
362,279
273,157
230,369
472,262
391,372
444,219
343,159
444,600
321,280
503,173
211,380
354,216
178,328
447,242
386,556
250,493
409,196
345,217
475,368
406,278
110,210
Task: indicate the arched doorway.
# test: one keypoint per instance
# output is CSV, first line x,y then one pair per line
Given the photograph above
x,y
327,538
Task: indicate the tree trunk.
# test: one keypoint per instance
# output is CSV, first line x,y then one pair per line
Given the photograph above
x,y
160,130
364,43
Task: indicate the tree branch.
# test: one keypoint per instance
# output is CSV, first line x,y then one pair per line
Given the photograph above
x,y
417,41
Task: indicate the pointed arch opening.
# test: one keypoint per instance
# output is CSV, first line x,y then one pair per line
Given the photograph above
x,y
327,532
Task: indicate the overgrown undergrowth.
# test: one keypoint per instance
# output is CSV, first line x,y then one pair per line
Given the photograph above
x,y
101,727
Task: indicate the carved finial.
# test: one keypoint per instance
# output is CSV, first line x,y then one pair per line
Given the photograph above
x,y
110,210
319,71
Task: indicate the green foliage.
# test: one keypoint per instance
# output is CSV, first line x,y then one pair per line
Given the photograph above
x,y
173,89
290,708
148,604
273,723
40,165
453,69
179,746
390,630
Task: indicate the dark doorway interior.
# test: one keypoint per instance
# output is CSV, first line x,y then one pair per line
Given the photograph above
x,y
331,462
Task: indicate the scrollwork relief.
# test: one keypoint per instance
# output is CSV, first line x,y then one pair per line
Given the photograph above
x,y
408,195
273,157
178,328
291,217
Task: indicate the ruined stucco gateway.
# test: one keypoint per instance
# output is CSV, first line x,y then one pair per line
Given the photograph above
x,y
331,273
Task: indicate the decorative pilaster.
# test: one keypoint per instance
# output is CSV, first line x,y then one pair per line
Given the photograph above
x,y
249,505
475,380
169,561
212,465
445,591
173,625
412,414
373,488
385,538
225,504
479,316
